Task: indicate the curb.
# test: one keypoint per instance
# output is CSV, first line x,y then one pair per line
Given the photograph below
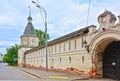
x,y
83,78
30,73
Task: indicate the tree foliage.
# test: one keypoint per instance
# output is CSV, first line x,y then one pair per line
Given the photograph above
x,y
11,57
42,36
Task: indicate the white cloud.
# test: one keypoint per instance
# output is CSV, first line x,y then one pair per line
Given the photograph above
x,y
66,17
2,50
63,16
70,15
7,43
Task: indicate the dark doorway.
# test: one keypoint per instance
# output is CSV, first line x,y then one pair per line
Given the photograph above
x,y
111,61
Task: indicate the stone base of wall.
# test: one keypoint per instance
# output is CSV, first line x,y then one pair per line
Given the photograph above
x,y
34,67
21,65
68,70
93,73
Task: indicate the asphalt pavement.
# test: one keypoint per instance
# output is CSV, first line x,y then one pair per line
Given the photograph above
x,y
8,73
11,73
57,76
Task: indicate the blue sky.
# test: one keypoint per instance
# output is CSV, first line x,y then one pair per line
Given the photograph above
x,y
63,16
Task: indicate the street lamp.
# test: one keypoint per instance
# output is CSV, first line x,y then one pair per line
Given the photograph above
x,y
45,23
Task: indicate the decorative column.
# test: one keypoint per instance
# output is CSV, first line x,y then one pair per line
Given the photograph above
x,y
97,64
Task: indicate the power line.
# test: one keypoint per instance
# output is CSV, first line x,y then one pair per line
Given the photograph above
x,y
88,12
93,10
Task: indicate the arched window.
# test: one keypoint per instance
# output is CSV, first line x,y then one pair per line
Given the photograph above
x,y
82,59
69,59
75,44
60,59
69,45
37,61
41,60
64,46
59,47
52,60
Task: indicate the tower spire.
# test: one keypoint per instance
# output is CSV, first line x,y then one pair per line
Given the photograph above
x,y
29,7
29,30
29,18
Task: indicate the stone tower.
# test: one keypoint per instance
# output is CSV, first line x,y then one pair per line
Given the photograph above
x,y
29,40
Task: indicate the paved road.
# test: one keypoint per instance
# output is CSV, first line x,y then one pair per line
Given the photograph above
x,y
15,74
11,73
57,76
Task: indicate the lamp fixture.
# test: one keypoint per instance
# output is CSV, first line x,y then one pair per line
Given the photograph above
x,y
86,46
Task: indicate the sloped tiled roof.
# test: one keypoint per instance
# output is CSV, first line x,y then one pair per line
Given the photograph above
x,y
29,30
63,38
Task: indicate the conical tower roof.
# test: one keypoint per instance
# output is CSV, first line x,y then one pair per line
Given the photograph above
x,y
29,30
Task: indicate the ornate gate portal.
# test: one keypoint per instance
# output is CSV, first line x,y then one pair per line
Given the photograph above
x,y
111,61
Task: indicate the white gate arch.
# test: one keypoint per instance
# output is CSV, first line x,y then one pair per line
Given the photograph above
x,y
97,46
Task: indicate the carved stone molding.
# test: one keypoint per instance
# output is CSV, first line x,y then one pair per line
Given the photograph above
x,y
106,20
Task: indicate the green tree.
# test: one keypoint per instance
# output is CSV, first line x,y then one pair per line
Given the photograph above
x,y
11,57
42,36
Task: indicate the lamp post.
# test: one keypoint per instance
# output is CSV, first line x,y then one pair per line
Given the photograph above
x,y
45,24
